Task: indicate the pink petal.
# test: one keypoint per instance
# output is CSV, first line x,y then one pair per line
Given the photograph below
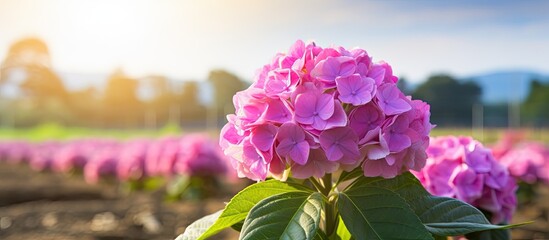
x,y
324,106
338,119
277,112
300,152
317,166
333,153
263,136
285,147
305,106
377,73
376,151
397,142
347,66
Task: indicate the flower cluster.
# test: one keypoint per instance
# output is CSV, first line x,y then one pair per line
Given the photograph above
x,y
528,161
462,168
507,142
314,110
190,155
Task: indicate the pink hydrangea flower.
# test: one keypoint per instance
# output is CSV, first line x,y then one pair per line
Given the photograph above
x,y
200,156
131,161
42,156
528,162
160,157
315,110
73,155
101,164
462,168
507,142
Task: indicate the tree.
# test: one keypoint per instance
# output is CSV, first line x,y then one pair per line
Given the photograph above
x,y
120,102
191,109
536,106
451,101
161,98
39,86
404,86
23,53
224,85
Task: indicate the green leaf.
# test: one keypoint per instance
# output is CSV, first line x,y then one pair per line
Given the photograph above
x,y
371,212
198,227
498,234
450,217
239,206
320,235
292,215
441,216
342,233
440,237
238,226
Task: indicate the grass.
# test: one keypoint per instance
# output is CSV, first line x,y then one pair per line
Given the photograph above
x,y
491,135
54,131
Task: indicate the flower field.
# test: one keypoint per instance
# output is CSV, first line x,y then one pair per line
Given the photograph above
x,y
336,149
47,204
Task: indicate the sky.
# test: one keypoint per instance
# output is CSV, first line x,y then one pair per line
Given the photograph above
x,y
185,39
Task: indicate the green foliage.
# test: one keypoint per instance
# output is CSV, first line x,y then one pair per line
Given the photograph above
x,y
489,235
54,131
197,228
125,101
239,206
224,85
451,101
536,107
292,215
371,213
342,233
368,208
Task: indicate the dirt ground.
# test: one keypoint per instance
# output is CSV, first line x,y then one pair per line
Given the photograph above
x,y
53,206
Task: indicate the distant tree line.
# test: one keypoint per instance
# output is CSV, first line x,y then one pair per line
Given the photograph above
x,y
31,92
454,102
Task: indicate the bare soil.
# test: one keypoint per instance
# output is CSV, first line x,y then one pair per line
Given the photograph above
x,y
54,206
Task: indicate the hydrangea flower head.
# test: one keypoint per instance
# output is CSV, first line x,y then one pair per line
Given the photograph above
x,y
199,156
315,110
462,168
528,161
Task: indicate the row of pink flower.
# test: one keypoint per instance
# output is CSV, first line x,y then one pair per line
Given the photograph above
x,y
526,160
194,154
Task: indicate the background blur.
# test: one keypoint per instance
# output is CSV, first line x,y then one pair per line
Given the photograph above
x,y
148,64
112,76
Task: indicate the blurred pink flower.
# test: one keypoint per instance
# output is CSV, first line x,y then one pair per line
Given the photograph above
x,y
199,155
462,168
528,161
101,164
131,161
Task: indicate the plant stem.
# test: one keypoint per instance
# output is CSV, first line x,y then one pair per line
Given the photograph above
x,y
316,184
329,210
327,182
